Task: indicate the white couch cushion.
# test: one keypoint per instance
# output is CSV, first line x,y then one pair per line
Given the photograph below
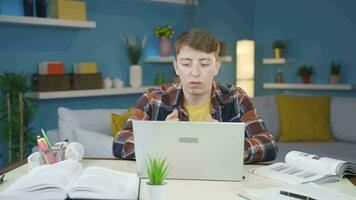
x,y
343,111
96,120
266,106
95,144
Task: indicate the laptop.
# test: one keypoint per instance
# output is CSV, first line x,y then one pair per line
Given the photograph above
x,y
194,150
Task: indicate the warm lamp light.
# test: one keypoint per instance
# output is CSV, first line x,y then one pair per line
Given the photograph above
x,y
245,65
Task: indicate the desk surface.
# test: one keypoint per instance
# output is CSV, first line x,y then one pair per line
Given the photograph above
x,y
189,189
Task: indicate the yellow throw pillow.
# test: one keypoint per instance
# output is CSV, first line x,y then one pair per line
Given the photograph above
x,y
304,119
118,121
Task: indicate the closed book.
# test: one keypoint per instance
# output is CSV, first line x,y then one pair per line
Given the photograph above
x,y
85,68
67,9
50,68
28,8
41,8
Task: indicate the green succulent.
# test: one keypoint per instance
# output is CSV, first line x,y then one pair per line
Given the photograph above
x,y
278,44
305,70
335,68
157,170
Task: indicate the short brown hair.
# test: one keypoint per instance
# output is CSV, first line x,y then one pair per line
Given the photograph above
x,y
198,39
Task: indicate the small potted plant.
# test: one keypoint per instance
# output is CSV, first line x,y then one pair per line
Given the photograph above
x,y
157,170
165,34
335,69
134,49
278,47
305,72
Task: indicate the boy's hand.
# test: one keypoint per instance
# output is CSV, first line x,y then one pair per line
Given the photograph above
x,y
173,116
211,119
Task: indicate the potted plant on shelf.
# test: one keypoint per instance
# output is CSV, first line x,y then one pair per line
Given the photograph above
x,y
335,69
305,72
157,170
165,34
134,49
278,47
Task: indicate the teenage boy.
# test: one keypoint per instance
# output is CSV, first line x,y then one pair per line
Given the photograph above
x,y
198,98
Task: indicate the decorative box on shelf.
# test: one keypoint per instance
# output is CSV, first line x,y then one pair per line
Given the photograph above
x,y
41,83
87,81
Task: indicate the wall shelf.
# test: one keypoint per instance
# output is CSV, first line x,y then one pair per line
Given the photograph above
x,y
276,61
157,59
86,93
299,86
182,2
38,21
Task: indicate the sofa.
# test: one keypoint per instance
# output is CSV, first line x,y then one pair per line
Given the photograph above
x,y
342,112
92,128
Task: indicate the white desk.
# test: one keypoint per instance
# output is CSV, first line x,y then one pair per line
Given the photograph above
x,y
189,189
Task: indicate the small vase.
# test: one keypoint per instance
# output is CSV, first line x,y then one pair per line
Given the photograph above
x,y
156,192
305,79
165,46
107,83
278,53
135,75
118,83
334,79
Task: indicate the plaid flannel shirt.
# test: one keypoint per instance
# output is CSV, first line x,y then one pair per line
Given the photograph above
x,y
229,104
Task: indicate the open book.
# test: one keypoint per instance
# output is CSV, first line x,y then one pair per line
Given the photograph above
x,y
67,179
305,191
300,167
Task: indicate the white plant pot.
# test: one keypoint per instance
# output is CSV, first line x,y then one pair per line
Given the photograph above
x,y
155,192
135,75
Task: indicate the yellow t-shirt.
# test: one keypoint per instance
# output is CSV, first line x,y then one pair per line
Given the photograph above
x,y
197,113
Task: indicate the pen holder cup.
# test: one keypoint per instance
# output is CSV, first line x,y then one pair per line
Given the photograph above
x,y
58,151
55,154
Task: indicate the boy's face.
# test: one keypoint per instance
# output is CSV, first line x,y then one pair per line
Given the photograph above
x,y
196,70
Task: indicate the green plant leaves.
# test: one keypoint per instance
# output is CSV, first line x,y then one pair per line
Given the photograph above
x,y
134,47
157,170
11,85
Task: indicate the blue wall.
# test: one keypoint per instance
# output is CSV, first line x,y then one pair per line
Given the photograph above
x,y
22,47
316,32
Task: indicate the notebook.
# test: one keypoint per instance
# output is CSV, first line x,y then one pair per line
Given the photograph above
x,y
305,191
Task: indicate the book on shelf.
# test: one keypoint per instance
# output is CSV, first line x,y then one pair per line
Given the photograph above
x,y
51,68
300,167
309,191
68,179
